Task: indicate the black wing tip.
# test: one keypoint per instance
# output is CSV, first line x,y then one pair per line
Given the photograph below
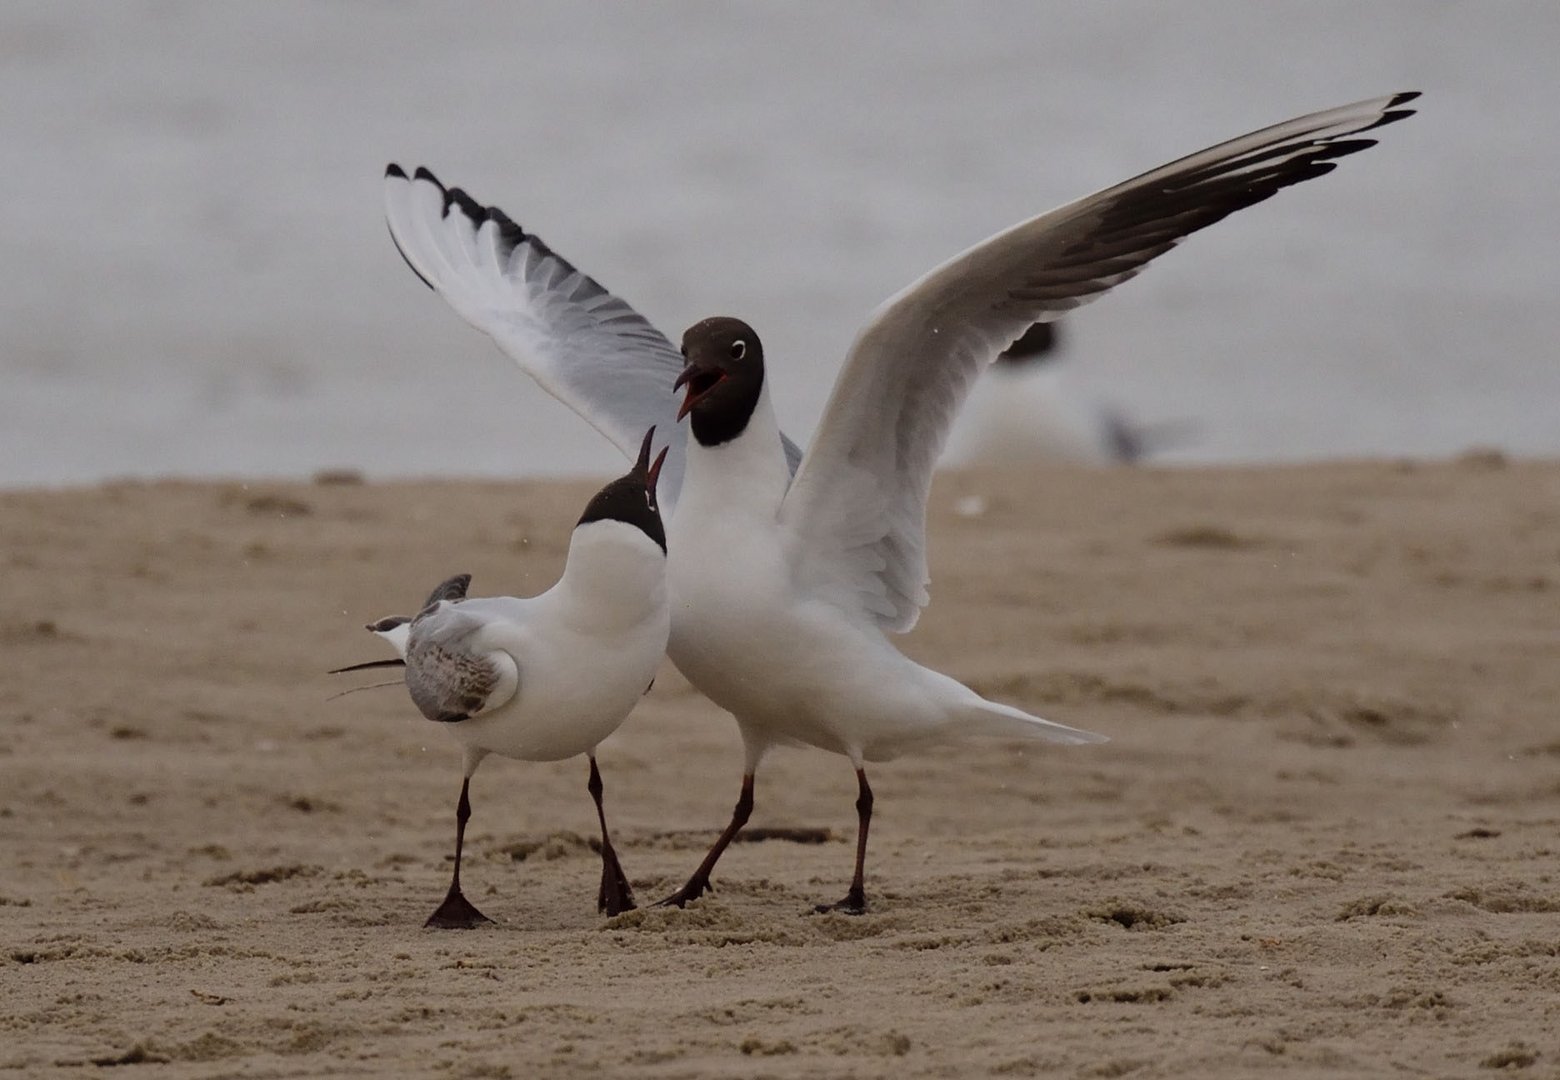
x,y
511,233
1393,113
470,207
393,171
475,211
453,588
1340,148
508,230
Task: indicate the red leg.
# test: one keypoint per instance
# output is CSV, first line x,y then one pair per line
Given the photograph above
x,y
855,902
699,883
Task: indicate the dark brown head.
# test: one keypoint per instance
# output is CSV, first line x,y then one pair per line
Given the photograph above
x,y
631,497
724,378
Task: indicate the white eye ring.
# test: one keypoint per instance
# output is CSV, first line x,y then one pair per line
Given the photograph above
x,y
738,349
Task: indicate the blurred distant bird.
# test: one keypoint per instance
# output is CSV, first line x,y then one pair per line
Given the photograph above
x,y
550,676
786,575
1025,408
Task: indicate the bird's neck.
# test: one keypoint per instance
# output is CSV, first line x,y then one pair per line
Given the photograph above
x,y
746,470
615,576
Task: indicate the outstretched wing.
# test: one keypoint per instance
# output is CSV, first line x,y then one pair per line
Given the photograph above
x,y
586,347
856,511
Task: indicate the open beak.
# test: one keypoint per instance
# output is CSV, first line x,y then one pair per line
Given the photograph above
x,y
655,473
699,381
651,471
642,462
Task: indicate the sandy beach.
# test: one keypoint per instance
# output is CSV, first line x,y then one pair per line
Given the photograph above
x,y
1322,842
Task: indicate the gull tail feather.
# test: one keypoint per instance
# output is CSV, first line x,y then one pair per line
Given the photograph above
x,y
996,721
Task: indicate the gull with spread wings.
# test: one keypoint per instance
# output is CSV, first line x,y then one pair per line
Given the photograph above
x,y
787,572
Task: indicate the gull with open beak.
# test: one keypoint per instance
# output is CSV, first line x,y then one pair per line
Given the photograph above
x,y
788,573
546,677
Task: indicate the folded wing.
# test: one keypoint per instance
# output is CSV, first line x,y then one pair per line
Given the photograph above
x,y
856,511
451,676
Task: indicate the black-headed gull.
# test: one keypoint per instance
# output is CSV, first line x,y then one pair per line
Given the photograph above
x,y
546,677
786,576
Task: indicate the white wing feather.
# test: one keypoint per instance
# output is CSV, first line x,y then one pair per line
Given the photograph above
x,y
583,345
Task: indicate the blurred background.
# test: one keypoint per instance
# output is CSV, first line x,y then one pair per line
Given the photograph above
x,y
198,281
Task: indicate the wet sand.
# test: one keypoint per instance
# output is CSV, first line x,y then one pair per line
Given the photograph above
x,y
1322,842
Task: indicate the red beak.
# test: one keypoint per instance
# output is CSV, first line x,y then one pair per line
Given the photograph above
x,y
655,472
689,373
687,401
651,471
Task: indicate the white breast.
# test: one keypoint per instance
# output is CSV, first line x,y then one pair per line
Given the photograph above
x,y
586,649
